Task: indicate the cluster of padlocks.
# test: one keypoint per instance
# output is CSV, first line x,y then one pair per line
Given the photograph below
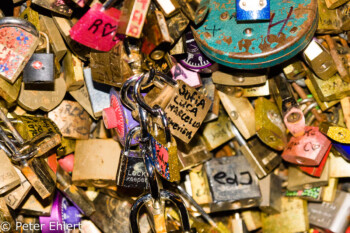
x,y
208,116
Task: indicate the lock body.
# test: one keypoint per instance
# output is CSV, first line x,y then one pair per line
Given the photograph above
x,y
8,178
39,69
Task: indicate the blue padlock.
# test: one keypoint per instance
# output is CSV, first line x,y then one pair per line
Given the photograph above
x,y
247,10
343,149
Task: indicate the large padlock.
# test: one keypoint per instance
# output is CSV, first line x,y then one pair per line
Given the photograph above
x,y
97,28
17,44
39,70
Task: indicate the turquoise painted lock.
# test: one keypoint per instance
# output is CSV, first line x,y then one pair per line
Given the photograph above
x,y
256,44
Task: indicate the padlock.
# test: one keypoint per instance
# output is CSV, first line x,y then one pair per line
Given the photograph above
x,y
239,78
298,180
56,6
255,45
218,132
133,16
8,178
9,92
82,97
330,216
308,149
97,29
32,16
270,187
252,219
239,111
329,192
195,59
39,71
64,25
330,20
112,214
6,218
16,196
67,163
168,7
20,39
316,170
341,150
178,48
292,116
98,93
118,117
76,195
343,12
294,70
156,39
247,10
256,91
200,186
190,77
110,68
334,132
293,217
195,10
35,206
73,71
105,152
193,153
338,166
67,147
72,120
45,100
208,88
177,24
232,182
269,125
163,65
238,224
48,26
63,216
312,194
332,4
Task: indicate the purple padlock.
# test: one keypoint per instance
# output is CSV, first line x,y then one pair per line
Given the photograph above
x,y
63,216
119,117
195,59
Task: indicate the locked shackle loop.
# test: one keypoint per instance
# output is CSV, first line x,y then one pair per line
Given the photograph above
x,y
139,98
130,103
162,115
47,41
21,23
131,134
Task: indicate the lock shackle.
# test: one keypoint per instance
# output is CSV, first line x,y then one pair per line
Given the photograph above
x,y
47,41
108,4
139,98
21,23
134,131
164,195
124,93
10,126
162,115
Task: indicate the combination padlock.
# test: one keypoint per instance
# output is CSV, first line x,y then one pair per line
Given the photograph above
x,y
39,71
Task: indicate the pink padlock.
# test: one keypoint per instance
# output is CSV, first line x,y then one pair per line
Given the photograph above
x,y
97,29
190,77
67,163
295,122
307,150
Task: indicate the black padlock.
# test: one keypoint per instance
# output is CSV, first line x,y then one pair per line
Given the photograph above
x,y
39,71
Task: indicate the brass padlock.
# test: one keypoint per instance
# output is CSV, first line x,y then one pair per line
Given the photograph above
x,y
271,194
330,20
8,177
177,24
56,6
239,78
73,71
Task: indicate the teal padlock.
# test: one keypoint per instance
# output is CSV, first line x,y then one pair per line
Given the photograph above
x,y
256,44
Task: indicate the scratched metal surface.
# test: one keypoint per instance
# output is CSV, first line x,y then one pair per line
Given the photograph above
x,y
291,27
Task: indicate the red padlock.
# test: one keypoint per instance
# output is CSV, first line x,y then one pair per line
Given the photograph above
x,y
307,150
97,29
317,170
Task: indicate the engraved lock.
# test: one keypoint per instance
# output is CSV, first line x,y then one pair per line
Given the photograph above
x,y
298,180
23,38
133,16
76,195
73,71
39,71
252,10
110,68
308,149
56,6
293,117
330,216
232,182
195,59
282,222
118,117
45,100
8,178
71,119
105,152
218,132
98,27
271,194
238,78
156,39
269,125
239,111
319,60
330,20
295,70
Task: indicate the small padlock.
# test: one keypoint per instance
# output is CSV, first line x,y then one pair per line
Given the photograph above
x,y
97,28
39,71
295,70
73,71
20,39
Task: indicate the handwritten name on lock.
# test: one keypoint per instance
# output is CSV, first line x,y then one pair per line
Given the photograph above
x,y
97,29
186,111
